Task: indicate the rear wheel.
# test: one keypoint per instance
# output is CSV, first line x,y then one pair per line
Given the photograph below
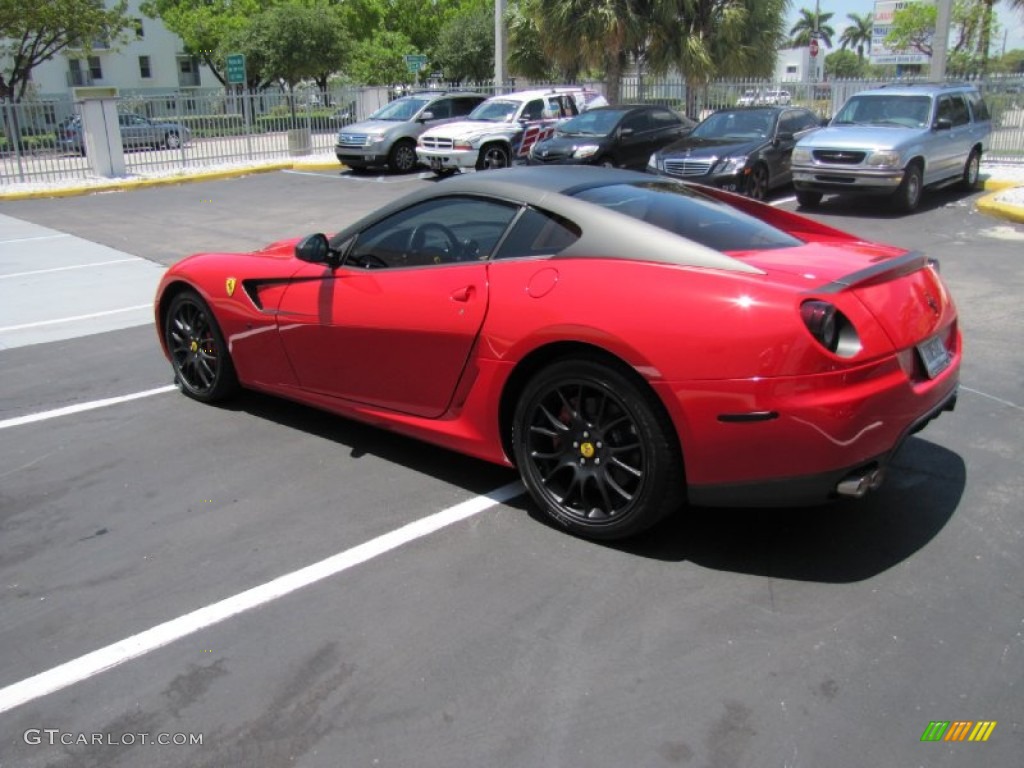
x,y
807,199
402,157
199,356
596,450
493,156
972,171
172,140
908,195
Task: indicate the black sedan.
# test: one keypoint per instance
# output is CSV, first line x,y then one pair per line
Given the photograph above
x,y
620,136
745,150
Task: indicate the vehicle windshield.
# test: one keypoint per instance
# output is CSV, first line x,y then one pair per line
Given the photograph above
x,y
401,109
599,122
885,109
497,111
737,124
683,211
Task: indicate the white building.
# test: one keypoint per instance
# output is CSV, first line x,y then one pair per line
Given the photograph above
x,y
796,65
150,58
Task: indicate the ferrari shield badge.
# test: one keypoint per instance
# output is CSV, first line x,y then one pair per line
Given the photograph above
x,y
229,286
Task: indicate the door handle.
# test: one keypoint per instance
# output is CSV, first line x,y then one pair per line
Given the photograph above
x,y
463,294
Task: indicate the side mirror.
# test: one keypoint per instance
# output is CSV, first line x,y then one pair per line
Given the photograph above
x,y
313,248
824,122
943,124
425,116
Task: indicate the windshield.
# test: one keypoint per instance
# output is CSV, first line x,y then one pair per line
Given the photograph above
x,y
886,109
401,109
496,111
599,122
737,124
683,211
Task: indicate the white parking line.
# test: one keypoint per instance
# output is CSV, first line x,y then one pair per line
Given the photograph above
x,y
75,318
30,239
72,266
92,405
118,653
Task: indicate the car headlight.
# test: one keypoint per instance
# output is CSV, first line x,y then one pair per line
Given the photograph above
x,y
370,140
730,164
655,163
585,150
802,156
887,158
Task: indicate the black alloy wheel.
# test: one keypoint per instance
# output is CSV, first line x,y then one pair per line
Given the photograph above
x,y
757,182
596,450
402,157
199,356
493,156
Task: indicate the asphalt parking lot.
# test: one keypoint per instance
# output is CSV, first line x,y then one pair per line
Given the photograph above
x,y
829,636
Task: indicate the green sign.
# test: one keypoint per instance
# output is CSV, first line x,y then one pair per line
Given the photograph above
x,y
414,62
236,69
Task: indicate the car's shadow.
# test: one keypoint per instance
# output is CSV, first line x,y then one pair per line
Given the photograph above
x,y
846,541
882,207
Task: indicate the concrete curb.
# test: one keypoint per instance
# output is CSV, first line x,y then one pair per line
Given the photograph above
x,y
123,185
989,205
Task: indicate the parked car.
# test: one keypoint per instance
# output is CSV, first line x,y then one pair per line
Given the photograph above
x,y
502,129
622,136
388,136
746,149
136,132
776,97
895,141
749,98
629,343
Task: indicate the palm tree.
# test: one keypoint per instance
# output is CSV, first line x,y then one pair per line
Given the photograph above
x,y
809,22
858,34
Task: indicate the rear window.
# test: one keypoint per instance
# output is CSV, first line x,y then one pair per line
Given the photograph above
x,y
683,211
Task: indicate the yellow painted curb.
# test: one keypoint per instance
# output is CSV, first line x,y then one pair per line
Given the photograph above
x,y
128,184
997,185
988,204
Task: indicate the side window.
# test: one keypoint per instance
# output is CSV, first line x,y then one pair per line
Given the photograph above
x,y
463,106
537,233
805,121
788,123
639,122
534,110
662,118
945,109
441,231
441,108
978,106
960,114
568,106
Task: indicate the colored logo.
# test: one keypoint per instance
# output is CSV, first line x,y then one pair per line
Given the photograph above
x,y
229,286
959,730
587,449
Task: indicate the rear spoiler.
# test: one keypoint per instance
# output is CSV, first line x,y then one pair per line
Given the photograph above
x,y
885,270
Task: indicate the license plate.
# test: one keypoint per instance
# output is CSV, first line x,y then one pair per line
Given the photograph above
x,y
934,355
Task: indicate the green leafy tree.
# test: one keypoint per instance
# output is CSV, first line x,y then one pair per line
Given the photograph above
x,y
526,56
858,35
971,24
811,21
844,64
378,59
34,31
465,46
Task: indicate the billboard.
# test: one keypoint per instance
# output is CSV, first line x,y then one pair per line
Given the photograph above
x,y
884,11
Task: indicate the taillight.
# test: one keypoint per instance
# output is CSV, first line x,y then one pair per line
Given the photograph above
x,y
830,328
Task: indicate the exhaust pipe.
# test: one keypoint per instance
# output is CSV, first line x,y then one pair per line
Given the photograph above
x,y
859,483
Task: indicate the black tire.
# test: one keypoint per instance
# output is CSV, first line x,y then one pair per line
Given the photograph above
x,y
493,156
203,369
972,171
172,140
596,451
908,196
607,162
757,182
402,157
808,199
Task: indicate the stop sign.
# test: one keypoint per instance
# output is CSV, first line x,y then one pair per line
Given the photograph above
x,y
814,47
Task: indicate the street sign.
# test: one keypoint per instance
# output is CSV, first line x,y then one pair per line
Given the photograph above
x,y
236,69
414,62
814,48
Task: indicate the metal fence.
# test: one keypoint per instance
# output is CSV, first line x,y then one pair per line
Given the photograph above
x,y
205,128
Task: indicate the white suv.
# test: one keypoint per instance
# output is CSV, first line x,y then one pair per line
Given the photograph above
x,y
502,129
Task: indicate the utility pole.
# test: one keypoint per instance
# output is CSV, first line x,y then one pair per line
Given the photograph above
x,y
940,43
500,43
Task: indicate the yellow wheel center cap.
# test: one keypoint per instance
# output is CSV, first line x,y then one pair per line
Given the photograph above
x,y
194,346
587,450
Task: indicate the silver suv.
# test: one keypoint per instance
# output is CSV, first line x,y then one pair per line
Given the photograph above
x,y
388,136
895,140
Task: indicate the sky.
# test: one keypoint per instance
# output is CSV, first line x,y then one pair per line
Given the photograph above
x,y
1011,21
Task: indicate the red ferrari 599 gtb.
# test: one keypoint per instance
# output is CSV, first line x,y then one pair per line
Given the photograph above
x,y
630,343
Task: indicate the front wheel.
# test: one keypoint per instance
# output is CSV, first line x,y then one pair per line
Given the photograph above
x,y
199,355
402,157
172,140
596,450
757,182
493,156
806,199
908,195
